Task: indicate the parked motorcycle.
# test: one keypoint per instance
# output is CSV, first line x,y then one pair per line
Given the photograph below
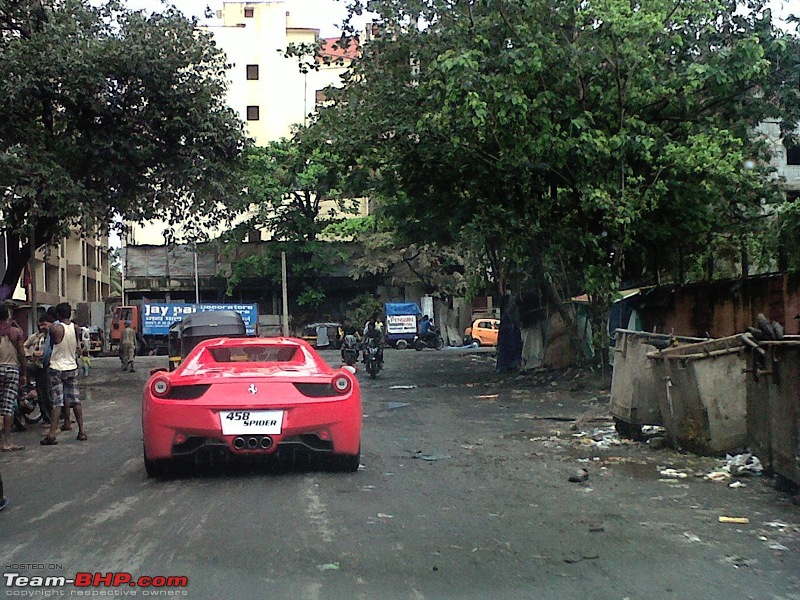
x,y
373,357
350,350
27,409
432,339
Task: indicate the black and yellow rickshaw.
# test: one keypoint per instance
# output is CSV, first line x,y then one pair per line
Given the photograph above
x,y
185,334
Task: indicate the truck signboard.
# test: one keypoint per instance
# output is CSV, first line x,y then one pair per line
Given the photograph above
x,y
157,318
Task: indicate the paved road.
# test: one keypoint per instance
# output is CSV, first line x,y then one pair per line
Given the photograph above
x,y
463,494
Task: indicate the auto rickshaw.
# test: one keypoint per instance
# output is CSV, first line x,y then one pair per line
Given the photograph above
x,y
185,334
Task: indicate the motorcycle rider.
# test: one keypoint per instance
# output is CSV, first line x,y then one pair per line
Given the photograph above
x,y
373,333
348,329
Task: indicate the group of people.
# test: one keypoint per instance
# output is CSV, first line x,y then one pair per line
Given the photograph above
x,y
51,357
372,332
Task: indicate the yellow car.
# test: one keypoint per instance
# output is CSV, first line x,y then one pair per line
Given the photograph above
x,y
483,331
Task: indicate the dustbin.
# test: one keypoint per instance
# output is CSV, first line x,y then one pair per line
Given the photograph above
x,y
635,386
773,406
704,394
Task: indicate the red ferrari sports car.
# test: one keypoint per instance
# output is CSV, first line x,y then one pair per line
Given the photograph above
x,y
251,396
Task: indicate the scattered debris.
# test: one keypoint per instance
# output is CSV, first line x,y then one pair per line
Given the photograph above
x,y
600,438
692,538
396,405
739,561
720,476
736,520
432,457
777,546
579,476
671,473
576,558
385,516
653,430
334,566
737,484
742,464
402,387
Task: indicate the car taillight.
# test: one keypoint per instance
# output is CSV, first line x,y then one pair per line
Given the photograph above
x,y
160,386
341,384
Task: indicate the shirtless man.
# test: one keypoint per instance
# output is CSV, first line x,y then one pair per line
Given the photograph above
x,y
13,368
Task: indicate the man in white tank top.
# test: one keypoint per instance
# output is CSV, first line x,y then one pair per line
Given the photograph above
x,y
64,373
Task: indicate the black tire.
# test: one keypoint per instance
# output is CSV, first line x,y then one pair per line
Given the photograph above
x,y
157,468
476,341
419,345
345,463
34,416
439,343
401,344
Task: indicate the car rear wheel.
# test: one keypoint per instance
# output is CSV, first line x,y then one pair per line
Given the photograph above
x,y
346,463
157,468
401,344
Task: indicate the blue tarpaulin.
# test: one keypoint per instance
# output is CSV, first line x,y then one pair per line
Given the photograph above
x,y
402,308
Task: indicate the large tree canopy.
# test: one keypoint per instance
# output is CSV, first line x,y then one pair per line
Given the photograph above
x,y
108,113
569,137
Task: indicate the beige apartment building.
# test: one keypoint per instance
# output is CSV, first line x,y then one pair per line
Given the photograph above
x,y
266,89
74,270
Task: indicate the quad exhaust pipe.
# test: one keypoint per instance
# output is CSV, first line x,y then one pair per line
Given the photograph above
x,y
252,442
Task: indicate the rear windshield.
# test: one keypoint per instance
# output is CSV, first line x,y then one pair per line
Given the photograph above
x,y
253,354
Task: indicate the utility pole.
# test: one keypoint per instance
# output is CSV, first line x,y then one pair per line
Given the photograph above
x,y
32,269
285,296
196,276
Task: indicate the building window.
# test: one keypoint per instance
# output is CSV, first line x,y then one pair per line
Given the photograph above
x,y
252,72
252,113
248,12
793,155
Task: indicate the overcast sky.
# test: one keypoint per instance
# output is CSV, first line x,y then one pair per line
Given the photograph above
x,y
325,15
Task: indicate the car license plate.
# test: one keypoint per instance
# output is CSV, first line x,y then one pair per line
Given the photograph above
x,y
242,422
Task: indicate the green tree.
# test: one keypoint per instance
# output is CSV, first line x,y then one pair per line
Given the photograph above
x,y
292,190
108,113
568,139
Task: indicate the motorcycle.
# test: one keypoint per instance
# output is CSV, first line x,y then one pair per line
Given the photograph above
x,y
350,350
432,339
27,409
372,357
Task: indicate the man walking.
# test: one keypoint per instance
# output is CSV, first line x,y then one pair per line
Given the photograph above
x,y
13,368
64,372
127,347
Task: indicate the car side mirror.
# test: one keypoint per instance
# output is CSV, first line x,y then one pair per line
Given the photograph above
x,y
158,370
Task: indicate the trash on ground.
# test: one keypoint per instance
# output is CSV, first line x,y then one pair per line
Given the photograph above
x,y
402,387
652,430
579,476
721,476
777,546
691,537
736,520
432,457
742,464
600,437
739,561
385,516
334,566
672,473
488,396
737,484
395,405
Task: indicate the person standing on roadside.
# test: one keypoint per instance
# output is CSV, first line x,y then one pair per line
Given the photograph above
x,y
35,347
13,367
127,347
64,372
